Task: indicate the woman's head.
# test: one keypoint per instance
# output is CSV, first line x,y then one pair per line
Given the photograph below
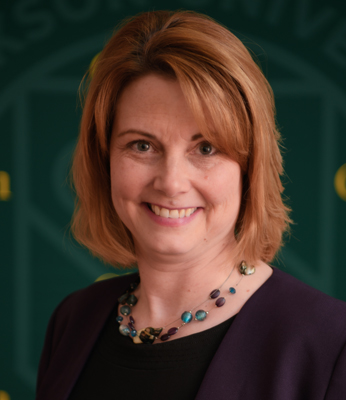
x,y
177,194
233,107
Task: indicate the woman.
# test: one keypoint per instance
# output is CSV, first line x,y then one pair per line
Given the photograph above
x,y
177,170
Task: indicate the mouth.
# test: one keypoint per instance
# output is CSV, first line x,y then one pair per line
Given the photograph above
x,y
175,214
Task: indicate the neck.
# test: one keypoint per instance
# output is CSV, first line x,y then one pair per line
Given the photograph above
x,y
167,290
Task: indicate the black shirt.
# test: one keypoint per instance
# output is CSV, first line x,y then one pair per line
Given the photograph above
x,y
119,369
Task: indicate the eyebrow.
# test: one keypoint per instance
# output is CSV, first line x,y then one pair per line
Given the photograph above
x,y
149,135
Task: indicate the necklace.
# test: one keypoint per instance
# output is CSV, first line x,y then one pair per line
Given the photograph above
x,y
150,334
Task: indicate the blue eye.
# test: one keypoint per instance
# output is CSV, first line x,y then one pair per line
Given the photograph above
x,y
142,146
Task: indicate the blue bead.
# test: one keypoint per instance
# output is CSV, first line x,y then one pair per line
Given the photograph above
x,y
200,315
232,290
186,317
125,310
124,330
119,318
133,333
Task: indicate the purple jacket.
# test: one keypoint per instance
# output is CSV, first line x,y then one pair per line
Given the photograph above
x,y
287,343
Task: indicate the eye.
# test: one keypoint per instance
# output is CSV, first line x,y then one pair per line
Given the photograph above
x,y
142,146
206,148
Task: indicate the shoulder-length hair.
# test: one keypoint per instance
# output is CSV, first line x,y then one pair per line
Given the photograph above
x,y
232,103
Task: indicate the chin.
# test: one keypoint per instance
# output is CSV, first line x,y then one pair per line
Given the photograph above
x,y
175,248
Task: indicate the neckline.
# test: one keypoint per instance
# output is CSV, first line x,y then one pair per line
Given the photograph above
x,y
120,349
240,312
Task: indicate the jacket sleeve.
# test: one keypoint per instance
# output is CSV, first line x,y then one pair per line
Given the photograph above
x,y
337,384
53,335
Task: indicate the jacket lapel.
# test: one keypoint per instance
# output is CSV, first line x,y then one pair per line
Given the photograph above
x,y
69,350
241,354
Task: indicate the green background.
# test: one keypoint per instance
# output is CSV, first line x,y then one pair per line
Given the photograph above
x,y
45,48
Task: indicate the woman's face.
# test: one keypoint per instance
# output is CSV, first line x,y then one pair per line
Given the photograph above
x,y
176,193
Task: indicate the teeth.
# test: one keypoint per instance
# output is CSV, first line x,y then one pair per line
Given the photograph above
x,y
174,214
156,210
164,212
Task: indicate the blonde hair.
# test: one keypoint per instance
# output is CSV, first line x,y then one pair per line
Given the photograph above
x,y
232,103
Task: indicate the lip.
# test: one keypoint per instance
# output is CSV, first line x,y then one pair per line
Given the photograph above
x,y
171,222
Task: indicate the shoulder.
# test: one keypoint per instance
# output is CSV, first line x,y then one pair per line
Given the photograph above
x,y
95,295
300,308
89,305
292,292
84,310
74,328
290,339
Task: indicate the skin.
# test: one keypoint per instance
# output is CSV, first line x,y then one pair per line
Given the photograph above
x,y
158,156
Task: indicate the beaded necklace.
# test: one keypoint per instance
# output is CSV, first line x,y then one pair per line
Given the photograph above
x,y
150,334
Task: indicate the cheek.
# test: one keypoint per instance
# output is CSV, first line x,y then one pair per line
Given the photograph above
x,y
123,193
120,184
224,189
127,180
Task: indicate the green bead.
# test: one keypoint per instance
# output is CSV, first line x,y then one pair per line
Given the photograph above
x,y
125,310
122,299
131,300
200,315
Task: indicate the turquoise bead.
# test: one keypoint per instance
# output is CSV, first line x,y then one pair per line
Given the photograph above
x,y
186,317
232,290
200,315
133,333
125,310
124,330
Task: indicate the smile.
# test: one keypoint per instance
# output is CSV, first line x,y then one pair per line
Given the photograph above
x,y
175,214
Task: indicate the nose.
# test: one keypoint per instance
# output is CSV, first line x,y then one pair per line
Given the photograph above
x,y
173,176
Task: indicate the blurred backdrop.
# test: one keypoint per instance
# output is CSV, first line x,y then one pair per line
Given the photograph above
x,y
46,47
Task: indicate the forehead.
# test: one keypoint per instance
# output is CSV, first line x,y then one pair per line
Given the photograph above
x,y
154,103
